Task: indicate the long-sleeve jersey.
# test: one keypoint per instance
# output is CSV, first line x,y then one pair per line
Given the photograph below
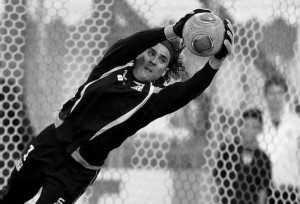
x,y
112,105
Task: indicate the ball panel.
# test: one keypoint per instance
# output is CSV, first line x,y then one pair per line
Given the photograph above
x,y
202,44
207,30
206,18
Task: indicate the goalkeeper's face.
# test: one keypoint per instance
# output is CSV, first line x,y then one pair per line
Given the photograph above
x,y
152,63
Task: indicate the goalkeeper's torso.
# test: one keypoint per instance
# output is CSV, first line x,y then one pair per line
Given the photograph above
x,y
95,120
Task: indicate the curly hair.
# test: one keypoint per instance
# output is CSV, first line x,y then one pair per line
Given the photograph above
x,y
176,66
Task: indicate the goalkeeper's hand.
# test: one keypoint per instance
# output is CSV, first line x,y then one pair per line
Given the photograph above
x,y
178,27
227,41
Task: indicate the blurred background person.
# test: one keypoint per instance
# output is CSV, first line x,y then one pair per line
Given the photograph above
x,y
242,163
280,139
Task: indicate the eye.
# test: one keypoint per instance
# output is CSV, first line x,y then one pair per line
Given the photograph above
x,y
151,52
163,60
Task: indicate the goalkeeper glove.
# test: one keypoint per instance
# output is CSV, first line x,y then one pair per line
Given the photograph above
x,y
178,27
227,41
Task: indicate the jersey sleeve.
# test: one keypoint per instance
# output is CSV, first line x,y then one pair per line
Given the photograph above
x,y
127,49
179,94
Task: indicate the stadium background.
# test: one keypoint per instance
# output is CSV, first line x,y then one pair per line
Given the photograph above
x,y
47,49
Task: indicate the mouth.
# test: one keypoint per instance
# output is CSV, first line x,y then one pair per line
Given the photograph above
x,y
148,69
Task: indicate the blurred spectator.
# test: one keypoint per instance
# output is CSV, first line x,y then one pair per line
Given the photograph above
x,y
280,140
243,171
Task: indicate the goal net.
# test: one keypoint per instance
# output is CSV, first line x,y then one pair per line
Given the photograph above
x,y
195,155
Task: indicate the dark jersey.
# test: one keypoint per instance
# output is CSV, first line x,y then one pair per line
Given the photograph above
x,y
249,171
112,105
253,175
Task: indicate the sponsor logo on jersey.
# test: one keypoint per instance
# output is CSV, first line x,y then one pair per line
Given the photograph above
x,y
122,77
60,201
19,164
31,147
139,86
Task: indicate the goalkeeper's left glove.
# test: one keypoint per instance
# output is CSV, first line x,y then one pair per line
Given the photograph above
x,y
178,27
227,41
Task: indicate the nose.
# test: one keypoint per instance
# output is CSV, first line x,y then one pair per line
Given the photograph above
x,y
153,60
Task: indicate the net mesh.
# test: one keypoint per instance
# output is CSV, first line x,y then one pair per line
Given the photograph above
x,y
48,48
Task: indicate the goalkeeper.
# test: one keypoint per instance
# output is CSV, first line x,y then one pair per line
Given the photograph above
x,y
117,100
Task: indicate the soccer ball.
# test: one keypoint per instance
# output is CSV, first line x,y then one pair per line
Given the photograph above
x,y
203,34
